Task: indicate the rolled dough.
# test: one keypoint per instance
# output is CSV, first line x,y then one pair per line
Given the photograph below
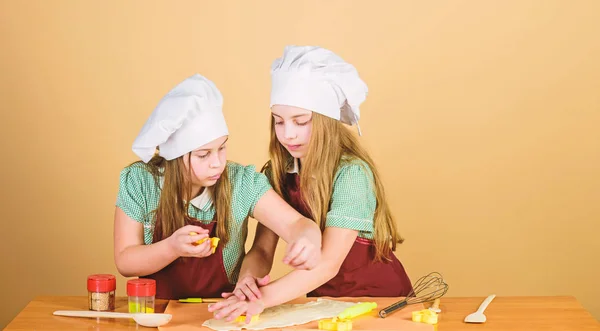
x,y
286,315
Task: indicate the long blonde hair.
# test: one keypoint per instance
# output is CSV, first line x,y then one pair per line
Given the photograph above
x,y
330,141
173,206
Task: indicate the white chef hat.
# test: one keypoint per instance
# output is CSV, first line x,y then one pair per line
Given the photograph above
x,y
189,116
317,79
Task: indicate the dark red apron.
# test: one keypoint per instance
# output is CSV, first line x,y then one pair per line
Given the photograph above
x,y
359,275
192,277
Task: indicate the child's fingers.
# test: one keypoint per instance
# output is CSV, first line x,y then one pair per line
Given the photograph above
x,y
239,310
201,250
225,311
206,251
251,291
252,287
291,252
300,258
239,294
305,266
297,258
306,260
226,295
194,238
193,228
220,305
248,293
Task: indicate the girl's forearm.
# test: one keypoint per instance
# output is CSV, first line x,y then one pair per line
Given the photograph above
x,y
297,283
142,260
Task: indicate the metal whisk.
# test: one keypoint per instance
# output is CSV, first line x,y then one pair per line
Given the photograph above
x,y
425,289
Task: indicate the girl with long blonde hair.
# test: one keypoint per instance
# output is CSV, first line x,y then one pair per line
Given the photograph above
x,y
184,191
319,167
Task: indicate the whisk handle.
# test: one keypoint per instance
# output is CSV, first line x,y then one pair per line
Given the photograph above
x,y
392,308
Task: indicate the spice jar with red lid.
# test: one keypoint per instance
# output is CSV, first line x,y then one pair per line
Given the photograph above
x,y
141,293
101,292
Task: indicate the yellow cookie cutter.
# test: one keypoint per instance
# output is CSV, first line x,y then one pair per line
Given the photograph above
x,y
343,321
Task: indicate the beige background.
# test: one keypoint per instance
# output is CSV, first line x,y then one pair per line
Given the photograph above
x,y
482,116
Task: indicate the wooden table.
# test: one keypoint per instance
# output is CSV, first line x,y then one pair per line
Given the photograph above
x,y
504,313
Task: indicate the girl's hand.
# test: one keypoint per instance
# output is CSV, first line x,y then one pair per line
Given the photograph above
x,y
247,287
305,252
233,307
183,244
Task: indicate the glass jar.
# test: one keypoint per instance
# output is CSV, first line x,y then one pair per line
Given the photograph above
x,y
141,293
101,292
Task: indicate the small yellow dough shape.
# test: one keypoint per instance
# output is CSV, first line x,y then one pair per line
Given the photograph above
x,y
242,319
214,242
335,325
425,316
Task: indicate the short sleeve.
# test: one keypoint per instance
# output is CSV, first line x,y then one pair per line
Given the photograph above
x,y
249,186
268,171
131,197
353,199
